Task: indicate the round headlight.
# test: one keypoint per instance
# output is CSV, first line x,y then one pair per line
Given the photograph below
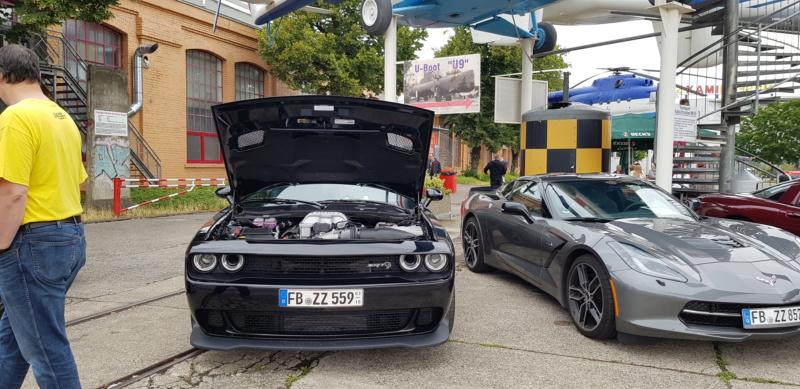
x,y
435,262
410,262
205,263
232,263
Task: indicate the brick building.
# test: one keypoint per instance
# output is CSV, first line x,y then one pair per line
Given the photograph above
x,y
192,69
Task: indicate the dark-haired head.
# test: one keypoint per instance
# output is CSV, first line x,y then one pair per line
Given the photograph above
x,y
19,64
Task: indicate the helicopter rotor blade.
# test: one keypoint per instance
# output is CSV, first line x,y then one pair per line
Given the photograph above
x,y
576,85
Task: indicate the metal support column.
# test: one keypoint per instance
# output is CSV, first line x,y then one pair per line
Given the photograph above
x,y
730,64
390,62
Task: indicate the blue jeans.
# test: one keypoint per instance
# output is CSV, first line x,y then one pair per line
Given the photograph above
x,y
34,278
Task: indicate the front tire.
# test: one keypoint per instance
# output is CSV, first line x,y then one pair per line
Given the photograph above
x,y
376,15
473,250
591,304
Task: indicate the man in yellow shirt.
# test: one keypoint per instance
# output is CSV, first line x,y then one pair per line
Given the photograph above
x,y
42,244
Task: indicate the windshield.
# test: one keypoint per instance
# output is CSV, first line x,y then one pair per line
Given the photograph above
x,y
611,199
331,192
774,192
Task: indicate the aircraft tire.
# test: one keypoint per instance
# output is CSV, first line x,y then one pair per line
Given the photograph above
x,y
548,32
376,15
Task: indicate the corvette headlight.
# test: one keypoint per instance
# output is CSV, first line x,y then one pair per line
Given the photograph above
x,y
645,263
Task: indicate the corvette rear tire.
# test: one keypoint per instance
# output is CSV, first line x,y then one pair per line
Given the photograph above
x,y
473,251
591,303
376,15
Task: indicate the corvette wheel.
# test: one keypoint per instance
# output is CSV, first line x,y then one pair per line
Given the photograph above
x,y
376,15
473,252
591,304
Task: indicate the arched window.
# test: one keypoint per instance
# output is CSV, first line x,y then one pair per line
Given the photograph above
x,y
203,89
93,44
249,82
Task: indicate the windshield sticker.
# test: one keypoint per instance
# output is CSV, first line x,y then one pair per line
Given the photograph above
x,y
327,108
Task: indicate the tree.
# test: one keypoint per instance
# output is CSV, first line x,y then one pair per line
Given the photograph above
x,y
319,53
774,133
34,16
476,129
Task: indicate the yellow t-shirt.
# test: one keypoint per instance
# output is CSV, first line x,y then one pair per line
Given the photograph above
x,y
40,147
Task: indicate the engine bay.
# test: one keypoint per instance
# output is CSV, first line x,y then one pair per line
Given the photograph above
x,y
325,225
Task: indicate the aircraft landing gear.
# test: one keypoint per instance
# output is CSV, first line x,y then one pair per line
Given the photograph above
x,y
376,15
547,38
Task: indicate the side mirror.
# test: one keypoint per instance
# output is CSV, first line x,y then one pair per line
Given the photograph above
x,y
515,208
433,195
224,193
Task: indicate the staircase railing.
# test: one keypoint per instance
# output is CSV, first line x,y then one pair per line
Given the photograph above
x,y
54,50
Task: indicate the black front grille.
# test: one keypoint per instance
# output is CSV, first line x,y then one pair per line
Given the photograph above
x,y
718,314
260,265
320,323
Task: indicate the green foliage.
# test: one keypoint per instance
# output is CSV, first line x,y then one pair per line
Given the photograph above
x,y
774,133
471,181
319,53
34,16
436,183
470,173
479,128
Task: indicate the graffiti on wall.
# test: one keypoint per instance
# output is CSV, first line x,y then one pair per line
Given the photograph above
x,y
112,159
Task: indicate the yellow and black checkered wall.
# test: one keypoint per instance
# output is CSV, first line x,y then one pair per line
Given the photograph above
x,y
565,146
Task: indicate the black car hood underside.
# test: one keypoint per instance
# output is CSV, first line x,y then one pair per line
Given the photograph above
x,y
324,139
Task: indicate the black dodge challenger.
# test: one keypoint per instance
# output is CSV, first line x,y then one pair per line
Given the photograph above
x,y
327,243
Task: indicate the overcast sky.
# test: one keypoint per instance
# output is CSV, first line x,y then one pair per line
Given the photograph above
x,y
640,54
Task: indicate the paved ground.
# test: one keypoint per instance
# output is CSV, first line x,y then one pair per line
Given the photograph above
x,y
507,334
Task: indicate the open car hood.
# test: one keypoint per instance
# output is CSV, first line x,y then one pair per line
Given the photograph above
x,y
324,139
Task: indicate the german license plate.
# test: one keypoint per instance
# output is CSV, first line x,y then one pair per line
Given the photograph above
x,y
312,298
771,317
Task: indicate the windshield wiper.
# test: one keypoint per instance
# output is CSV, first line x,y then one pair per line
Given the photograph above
x,y
273,200
589,219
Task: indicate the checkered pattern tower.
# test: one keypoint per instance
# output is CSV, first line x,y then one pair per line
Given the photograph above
x,y
572,139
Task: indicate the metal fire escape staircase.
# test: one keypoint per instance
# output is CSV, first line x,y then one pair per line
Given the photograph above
x,y
768,59
60,64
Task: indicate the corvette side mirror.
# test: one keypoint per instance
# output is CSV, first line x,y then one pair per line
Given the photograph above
x,y
515,208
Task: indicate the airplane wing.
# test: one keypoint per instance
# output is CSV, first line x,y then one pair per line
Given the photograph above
x,y
282,9
317,10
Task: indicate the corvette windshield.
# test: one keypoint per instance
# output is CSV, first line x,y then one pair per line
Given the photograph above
x,y
610,199
332,192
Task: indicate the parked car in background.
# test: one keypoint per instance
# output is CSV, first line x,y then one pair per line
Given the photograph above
x,y
627,259
777,205
327,244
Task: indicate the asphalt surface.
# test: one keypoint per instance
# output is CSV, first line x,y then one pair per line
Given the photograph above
x,y
507,334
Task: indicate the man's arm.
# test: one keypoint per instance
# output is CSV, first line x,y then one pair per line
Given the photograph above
x,y
12,206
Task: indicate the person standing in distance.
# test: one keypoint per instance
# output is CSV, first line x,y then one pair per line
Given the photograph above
x,y
434,167
496,169
42,244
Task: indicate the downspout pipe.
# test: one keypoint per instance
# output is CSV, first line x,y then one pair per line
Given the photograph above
x,y
138,78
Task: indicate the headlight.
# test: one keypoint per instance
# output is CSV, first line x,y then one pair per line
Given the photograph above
x,y
410,263
232,263
645,263
204,263
436,262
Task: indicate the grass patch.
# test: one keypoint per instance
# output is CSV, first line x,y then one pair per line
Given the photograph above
x,y
480,179
726,376
291,378
201,199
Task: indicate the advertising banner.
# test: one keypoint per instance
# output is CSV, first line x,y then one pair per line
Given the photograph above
x,y
444,85
685,129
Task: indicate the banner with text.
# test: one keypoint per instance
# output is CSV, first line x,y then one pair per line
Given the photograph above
x,y
685,129
444,85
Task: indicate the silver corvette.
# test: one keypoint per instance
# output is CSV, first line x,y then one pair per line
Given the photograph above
x,y
627,259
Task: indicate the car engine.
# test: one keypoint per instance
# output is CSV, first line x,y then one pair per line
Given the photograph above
x,y
318,225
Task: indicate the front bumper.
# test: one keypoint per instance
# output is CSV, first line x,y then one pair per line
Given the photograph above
x,y
648,308
228,317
